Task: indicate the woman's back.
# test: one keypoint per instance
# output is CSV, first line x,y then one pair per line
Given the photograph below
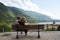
x,y
23,21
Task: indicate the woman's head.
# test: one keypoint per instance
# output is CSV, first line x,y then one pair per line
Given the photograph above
x,y
23,19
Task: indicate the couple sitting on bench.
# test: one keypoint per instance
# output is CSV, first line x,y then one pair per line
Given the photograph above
x,y
20,24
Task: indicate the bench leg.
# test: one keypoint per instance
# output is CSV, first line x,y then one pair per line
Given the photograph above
x,y
17,37
25,32
38,32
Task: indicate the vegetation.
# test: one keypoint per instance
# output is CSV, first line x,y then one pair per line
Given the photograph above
x,y
51,29
4,27
58,28
6,15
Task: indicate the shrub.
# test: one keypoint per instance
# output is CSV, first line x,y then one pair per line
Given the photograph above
x,y
58,29
48,29
51,29
5,27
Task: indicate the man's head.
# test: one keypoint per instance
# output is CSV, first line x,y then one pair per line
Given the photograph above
x,y
18,18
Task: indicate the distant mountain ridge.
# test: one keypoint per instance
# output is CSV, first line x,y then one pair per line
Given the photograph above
x,y
32,14
10,13
38,16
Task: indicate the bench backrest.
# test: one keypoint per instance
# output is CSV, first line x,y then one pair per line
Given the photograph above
x,y
29,27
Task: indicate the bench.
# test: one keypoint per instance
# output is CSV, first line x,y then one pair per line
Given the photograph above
x,y
28,27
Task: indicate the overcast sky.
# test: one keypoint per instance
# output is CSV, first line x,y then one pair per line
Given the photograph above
x,y
47,7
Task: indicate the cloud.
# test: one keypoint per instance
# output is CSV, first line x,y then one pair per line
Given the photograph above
x,y
24,4
31,6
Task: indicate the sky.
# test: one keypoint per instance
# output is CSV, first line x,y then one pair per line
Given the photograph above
x,y
51,6
47,7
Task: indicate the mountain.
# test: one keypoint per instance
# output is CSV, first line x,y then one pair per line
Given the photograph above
x,y
20,13
56,20
10,14
32,14
5,13
38,16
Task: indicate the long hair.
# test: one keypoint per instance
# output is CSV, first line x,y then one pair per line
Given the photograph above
x,y
23,19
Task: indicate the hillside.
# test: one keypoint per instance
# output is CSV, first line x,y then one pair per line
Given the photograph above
x,y
38,16
10,13
19,13
5,14
32,14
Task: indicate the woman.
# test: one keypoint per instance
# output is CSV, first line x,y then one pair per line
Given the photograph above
x,y
23,21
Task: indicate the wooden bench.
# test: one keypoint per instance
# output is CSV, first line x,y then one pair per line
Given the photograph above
x,y
28,27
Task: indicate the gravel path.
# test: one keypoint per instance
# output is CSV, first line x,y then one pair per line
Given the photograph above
x,y
48,35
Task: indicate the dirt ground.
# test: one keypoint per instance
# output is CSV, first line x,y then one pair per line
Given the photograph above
x,y
48,35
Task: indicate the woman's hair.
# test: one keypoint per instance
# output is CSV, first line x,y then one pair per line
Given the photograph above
x,y
23,19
